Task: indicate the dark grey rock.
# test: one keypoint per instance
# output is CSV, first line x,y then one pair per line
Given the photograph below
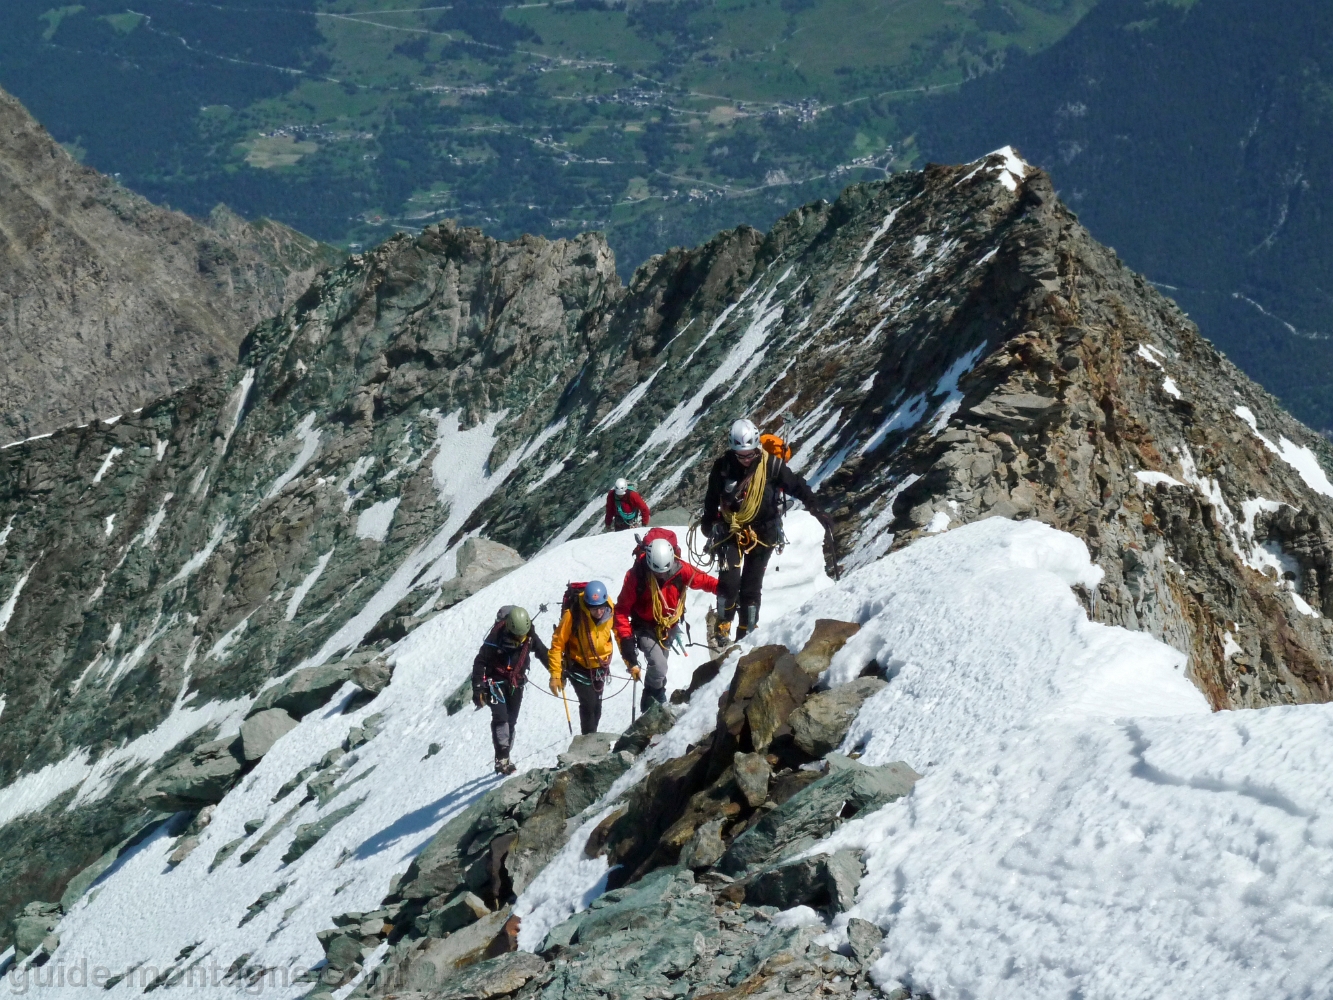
x,y
866,941
304,691
465,908
824,880
815,810
820,724
308,834
259,732
656,720
201,779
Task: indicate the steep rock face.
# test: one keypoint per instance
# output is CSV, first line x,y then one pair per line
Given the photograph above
x,y
945,346
107,301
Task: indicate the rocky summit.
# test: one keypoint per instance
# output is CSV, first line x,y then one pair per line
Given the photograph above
x,y
188,585
107,301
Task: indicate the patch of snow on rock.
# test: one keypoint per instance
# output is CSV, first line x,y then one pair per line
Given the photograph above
x,y
375,520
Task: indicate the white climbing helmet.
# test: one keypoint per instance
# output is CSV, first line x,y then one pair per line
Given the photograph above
x,y
661,556
744,436
621,487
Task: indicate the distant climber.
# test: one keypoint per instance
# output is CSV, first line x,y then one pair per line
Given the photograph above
x,y
499,672
742,519
625,508
651,607
581,649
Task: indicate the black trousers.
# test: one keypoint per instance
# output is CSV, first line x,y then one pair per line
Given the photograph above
x,y
588,686
740,582
505,704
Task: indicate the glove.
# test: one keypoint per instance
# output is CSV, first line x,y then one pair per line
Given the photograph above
x,y
478,698
557,682
634,672
826,521
629,652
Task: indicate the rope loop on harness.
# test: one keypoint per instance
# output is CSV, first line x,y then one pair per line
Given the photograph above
x,y
665,623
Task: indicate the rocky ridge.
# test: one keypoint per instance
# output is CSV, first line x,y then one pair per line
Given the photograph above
x,y
107,301
710,846
945,346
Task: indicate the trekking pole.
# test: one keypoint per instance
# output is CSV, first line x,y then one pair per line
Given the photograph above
x,y
633,699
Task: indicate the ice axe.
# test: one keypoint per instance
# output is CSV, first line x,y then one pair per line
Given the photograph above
x,y
568,721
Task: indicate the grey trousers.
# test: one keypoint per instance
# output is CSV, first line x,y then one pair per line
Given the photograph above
x,y
655,657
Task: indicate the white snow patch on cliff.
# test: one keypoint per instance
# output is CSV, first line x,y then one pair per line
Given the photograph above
x,y
154,524
9,526
196,561
375,520
106,463
7,609
1299,457
1149,478
299,594
309,438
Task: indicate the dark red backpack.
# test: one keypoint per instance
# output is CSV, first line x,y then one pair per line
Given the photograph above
x,y
573,591
641,548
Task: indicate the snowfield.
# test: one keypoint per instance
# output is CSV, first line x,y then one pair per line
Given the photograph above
x,y
1085,826
143,913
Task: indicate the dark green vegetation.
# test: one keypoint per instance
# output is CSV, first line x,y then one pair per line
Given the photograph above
x,y
1197,140
659,122
1196,137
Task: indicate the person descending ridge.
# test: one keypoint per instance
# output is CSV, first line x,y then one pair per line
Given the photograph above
x,y
499,672
581,649
625,508
652,606
742,519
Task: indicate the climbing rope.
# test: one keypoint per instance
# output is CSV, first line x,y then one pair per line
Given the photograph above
x,y
665,622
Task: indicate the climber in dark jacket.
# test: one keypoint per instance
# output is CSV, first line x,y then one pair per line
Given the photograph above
x,y
742,519
498,673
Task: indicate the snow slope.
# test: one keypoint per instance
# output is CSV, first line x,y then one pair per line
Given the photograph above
x,y
143,913
1085,827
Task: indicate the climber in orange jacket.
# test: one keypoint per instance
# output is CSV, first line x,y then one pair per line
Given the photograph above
x,y
651,608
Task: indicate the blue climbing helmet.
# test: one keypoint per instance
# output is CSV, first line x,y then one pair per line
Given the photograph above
x,y
594,594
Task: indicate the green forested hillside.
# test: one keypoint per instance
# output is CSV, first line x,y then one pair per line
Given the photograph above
x,y
659,121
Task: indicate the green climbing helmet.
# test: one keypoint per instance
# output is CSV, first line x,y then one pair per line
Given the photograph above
x,y
518,622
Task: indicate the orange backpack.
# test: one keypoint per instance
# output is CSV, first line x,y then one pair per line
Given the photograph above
x,y
774,445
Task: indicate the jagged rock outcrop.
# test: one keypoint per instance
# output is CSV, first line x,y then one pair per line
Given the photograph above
x,y
944,346
107,301
681,918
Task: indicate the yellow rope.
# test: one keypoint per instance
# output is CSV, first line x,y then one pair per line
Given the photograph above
x,y
665,623
740,521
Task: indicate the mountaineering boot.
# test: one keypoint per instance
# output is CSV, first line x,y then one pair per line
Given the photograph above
x,y
503,766
749,619
651,696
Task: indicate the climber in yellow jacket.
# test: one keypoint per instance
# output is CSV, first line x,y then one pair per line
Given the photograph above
x,y
581,649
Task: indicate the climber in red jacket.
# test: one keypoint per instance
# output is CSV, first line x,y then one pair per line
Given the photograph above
x,y
651,608
625,508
